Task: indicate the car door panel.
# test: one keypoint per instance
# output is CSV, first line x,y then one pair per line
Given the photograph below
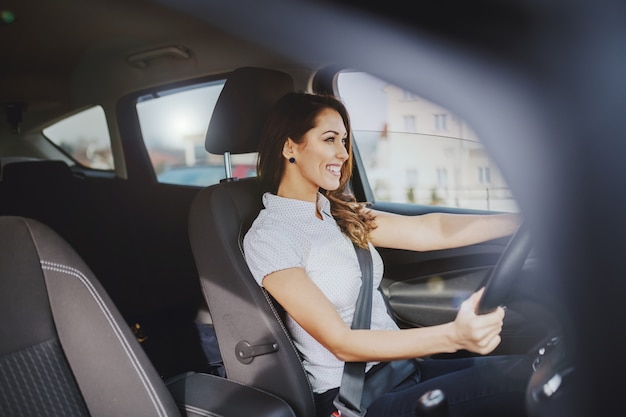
x,y
425,288
431,299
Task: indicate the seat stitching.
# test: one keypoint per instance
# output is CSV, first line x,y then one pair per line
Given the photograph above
x,y
118,332
199,411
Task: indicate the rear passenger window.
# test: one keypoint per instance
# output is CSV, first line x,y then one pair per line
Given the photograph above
x,y
84,137
173,124
415,151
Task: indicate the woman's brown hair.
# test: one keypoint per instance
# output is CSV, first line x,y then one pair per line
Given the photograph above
x,y
292,117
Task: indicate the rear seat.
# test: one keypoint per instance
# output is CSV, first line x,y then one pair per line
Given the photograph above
x,y
45,190
50,192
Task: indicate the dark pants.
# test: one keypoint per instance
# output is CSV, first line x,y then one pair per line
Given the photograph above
x,y
478,386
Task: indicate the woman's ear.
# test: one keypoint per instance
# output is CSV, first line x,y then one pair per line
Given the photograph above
x,y
288,148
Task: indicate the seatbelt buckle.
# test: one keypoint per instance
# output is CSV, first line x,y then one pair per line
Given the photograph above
x,y
345,411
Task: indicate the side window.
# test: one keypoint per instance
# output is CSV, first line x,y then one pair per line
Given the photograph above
x,y
84,137
173,125
415,151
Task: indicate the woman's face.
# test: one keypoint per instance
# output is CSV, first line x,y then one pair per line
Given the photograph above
x,y
322,153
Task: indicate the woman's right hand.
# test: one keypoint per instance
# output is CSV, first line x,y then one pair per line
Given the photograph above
x,y
478,333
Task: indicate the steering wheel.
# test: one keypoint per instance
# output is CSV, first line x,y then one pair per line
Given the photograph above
x,y
503,275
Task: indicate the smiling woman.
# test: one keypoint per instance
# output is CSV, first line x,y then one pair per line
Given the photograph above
x,y
316,159
481,108
300,249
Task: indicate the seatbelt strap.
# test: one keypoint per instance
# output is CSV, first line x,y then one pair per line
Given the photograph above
x,y
348,400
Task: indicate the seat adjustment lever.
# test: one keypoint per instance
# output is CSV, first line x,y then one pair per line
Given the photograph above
x,y
247,352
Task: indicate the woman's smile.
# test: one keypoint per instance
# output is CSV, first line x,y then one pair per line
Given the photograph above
x,y
334,170
318,160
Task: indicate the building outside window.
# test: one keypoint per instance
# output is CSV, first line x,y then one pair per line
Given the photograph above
x,y
410,123
441,121
484,175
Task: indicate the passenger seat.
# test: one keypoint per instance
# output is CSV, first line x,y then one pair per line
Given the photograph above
x,y
65,350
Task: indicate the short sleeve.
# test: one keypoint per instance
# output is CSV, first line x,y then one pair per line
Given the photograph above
x,y
268,250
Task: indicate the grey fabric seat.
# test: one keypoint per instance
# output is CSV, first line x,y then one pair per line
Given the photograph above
x,y
65,350
255,346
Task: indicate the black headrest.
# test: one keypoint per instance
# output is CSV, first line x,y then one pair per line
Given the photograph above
x,y
242,107
27,171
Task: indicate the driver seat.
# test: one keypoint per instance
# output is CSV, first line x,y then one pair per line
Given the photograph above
x,y
255,345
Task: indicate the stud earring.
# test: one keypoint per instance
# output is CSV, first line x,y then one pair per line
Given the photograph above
x,y
292,160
